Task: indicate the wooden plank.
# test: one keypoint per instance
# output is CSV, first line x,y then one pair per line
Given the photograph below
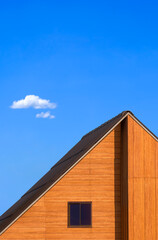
x,y
90,177
130,208
4,238
89,236
138,209
149,207
23,235
93,181
105,155
130,147
99,171
156,209
26,229
100,164
87,198
109,144
52,230
102,161
111,139
149,156
106,150
156,159
89,187
124,179
106,224
138,151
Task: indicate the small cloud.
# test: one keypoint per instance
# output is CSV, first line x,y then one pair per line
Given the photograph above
x,y
45,115
33,101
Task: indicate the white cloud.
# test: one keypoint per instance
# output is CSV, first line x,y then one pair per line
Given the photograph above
x,y
32,101
45,115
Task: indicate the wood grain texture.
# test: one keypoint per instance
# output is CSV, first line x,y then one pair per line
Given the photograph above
x,y
124,179
149,205
130,147
130,209
95,178
156,160
130,131
142,183
138,151
138,209
149,156
156,209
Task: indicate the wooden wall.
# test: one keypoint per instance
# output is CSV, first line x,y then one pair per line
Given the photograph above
x,y
124,179
95,178
142,183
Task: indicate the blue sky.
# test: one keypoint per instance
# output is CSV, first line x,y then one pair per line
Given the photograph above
x,y
93,59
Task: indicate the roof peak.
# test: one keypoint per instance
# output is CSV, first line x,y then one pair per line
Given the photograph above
x,y
107,122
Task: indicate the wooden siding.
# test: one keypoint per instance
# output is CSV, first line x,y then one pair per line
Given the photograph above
x,y
95,178
142,183
124,179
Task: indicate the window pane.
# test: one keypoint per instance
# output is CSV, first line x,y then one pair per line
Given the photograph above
x,y
85,214
74,214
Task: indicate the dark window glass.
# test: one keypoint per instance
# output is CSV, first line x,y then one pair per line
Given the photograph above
x,y
79,214
74,214
85,214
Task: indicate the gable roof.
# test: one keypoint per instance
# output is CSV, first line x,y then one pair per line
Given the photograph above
x,y
65,164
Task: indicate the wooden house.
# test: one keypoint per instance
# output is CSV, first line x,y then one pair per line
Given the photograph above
x,y
105,187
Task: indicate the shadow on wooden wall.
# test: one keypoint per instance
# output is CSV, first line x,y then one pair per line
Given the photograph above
x,y
117,187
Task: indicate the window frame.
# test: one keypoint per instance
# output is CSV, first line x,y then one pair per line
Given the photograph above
x,y
68,218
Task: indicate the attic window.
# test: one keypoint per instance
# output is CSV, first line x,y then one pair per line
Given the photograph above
x,y
79,214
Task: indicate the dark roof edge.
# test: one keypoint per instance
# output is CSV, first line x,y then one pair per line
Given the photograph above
x,y
124,115
110,120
